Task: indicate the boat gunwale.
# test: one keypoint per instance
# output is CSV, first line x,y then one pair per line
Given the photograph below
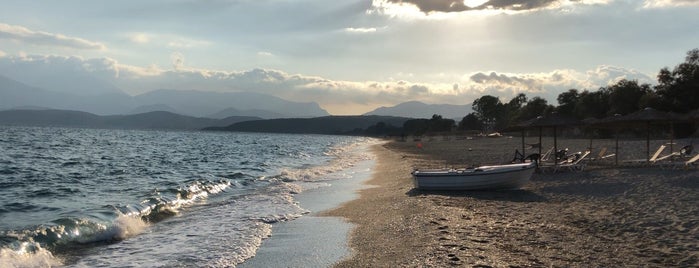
x,y
475,172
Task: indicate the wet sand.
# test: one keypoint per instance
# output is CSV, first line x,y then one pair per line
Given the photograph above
x,y
604,216
313,240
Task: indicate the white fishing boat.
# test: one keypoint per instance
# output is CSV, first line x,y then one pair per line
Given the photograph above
x,y
511,176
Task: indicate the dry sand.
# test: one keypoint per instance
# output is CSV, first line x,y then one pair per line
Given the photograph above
x,y
601,217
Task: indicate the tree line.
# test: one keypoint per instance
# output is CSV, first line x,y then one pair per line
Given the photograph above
x,y
677,91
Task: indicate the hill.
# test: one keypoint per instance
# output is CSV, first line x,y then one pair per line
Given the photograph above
x,y
14,94
416,109
319,125
203,103
150,120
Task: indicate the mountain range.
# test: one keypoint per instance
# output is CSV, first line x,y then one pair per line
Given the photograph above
x,y
14,94
149,120
416,109
317,125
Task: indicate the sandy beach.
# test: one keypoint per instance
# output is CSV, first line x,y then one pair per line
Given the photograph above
x,y
604,216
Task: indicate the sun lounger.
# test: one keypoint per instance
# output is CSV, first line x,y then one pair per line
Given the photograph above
x,y
646,161
685,164
602,155
546,155
577,165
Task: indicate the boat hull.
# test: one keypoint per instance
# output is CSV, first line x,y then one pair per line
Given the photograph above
x,y
482,178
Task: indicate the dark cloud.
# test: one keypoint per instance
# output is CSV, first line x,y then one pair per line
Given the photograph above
x,y
428,6
493,77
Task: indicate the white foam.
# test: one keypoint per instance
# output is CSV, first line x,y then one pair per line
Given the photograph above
x,y
343,157
126,226
28,255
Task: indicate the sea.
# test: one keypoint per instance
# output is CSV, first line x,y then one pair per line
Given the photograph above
x,y
72,197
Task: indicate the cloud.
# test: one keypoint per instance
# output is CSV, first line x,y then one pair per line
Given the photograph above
x,y
180,42
139,38
167,40
177,60
264,54
360,30
22,34
2,54
74,75
428,6
669,3
341,97
407,8
549,85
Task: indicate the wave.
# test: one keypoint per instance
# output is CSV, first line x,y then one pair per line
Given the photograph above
x,y
342,157
28,255
32,247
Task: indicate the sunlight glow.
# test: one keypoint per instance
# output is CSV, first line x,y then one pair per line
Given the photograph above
x,y
475,3
360,30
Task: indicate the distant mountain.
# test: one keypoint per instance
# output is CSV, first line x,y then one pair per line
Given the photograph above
x,y
14,94
318,125
50,118
203,103
416,109
150,120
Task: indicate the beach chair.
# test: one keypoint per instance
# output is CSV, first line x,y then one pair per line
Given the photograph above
x,y
577,165
663,158
686,164
687,150
682,153
546,155
646,161
602,155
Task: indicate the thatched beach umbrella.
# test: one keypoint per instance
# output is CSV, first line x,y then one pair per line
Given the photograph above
x,y
523,126
553,120
590,121
645,116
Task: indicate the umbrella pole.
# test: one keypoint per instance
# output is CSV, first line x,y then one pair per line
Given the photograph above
x,y
616,149
648,141
555,147
523,153
540,145
672,136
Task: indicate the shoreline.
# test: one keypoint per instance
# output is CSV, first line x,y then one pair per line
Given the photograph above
x,y
314,240
606,216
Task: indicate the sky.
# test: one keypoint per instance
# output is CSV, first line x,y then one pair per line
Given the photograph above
x,y
349,56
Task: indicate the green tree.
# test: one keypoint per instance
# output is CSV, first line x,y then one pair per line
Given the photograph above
x,y
535,107
679,89
487,108
510,111
416,126
592,104
567,101
625,96
470,122
439,124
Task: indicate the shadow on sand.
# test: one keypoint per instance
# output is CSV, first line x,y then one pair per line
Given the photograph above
x,y
598,189
494,195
